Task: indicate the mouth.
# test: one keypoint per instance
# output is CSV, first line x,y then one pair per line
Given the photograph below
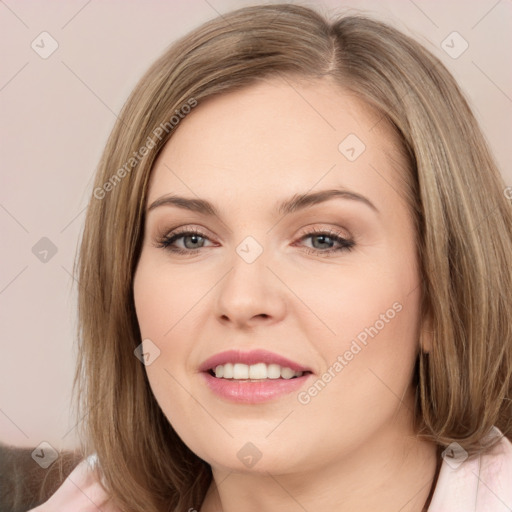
x,y
253,377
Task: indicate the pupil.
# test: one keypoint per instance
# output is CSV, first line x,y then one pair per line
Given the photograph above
x,y
194,238
322,238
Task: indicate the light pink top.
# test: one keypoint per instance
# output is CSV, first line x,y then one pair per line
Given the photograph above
x,y
479,484
80,492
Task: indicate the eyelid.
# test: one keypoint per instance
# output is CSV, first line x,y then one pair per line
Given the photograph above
x,y
184,229
333,230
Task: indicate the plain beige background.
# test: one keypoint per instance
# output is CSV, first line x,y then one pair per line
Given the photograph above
x,y
57,112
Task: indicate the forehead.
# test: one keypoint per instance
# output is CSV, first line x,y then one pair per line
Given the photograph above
x,y
276,138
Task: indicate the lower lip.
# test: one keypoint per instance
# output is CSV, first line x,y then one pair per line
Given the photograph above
x,y
252,392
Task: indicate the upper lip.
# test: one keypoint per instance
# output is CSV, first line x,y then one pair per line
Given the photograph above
x,y
251,357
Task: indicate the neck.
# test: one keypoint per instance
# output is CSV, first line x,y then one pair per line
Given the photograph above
x,y
387,473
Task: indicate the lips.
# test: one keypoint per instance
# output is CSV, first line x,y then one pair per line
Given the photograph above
x,y
250,358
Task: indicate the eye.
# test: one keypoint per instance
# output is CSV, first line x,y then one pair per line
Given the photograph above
x,y
193,240
323,238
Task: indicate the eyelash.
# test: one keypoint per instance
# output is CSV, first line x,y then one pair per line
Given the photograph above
x,y
166,241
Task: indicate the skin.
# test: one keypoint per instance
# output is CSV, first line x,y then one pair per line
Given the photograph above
x,y
352,447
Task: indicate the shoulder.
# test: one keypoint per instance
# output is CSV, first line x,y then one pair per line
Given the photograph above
x,y
481,484
80,491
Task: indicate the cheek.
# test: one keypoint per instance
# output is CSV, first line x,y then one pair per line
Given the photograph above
x,y
369,362
160,303
373,312
382,309
368,372
370,299
163,298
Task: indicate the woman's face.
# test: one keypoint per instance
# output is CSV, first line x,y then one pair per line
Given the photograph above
x,y
330,282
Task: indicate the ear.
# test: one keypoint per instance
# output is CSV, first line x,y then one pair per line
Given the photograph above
x,y
427,333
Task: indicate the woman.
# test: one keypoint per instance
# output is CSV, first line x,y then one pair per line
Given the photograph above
x,y
295,282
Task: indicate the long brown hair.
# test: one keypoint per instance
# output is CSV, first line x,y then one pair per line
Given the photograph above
x,y
454,191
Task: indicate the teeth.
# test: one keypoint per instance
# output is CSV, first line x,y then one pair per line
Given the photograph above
x,y
228,371
273,371
240,371
257,371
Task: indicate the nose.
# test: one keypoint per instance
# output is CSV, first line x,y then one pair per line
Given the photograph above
x,y
250,294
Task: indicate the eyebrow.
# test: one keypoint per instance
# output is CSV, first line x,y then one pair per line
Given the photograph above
x,y
295,203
